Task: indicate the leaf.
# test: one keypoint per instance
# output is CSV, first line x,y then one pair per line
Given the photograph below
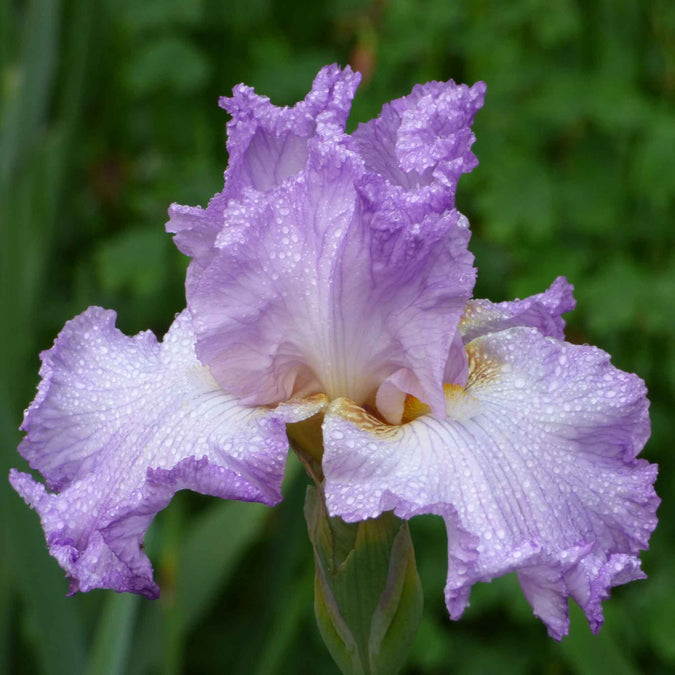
x,y
114,634
590,654
135,260
59,640
170,63
212,548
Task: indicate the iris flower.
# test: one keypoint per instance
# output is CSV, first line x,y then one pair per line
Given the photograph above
x,y
331,280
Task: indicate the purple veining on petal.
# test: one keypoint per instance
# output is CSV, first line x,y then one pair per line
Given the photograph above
x,y
534,470
121,423
266,144
542,311
314,288
328,272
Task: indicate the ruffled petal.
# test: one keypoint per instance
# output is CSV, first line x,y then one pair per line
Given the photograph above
x,y
542,311
327,256
534,470
266,144
423,137
120,424
315,289
194,228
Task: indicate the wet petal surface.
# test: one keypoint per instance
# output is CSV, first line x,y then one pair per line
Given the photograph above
x,y
534,470
542,311
120,424
331,272
265,144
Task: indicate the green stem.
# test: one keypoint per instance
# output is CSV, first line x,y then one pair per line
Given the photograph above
x,y
368,596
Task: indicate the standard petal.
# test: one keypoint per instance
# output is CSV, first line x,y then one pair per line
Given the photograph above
x,y
315,289
266,144
328,257
534,470
423,137
120,424
542,311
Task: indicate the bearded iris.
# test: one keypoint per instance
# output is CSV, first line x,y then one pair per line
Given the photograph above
x,y
331,281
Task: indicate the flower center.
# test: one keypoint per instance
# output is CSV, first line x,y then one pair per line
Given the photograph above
x,y
459,404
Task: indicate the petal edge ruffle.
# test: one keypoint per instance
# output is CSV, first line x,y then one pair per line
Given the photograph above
x,y
121,423
534,471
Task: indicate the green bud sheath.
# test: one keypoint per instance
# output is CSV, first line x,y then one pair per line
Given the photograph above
x,y
368,596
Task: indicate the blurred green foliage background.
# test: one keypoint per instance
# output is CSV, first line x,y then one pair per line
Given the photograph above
x,y
109,114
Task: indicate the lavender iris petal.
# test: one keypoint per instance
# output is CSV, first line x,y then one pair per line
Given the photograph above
x,y
122,423
534,470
